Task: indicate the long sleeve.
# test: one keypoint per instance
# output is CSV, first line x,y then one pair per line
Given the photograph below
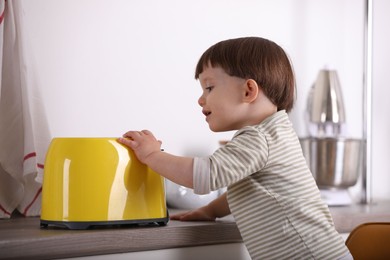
x,y
201,175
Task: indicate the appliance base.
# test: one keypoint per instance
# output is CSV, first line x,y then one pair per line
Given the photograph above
x,y
90,224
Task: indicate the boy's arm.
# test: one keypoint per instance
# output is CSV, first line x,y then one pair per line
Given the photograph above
x,y
148,150
175,168
218,208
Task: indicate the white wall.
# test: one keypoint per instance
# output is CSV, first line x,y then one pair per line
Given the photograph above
x,y
109,66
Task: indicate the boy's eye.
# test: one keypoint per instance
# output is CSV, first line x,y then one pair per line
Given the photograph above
x,y
209,88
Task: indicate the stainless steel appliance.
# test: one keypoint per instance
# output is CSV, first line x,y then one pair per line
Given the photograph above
x,y
334,159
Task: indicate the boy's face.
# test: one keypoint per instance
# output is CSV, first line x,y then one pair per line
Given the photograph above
x,y
222,99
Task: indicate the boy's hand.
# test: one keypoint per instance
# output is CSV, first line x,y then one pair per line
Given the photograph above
x,y
143,143
197,214
218,208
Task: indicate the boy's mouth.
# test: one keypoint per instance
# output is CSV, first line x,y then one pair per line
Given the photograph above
x,y
206,113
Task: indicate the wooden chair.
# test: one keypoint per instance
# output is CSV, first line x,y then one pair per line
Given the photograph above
x,y
370,241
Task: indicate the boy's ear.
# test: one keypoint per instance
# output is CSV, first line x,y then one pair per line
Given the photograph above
x,y
251,91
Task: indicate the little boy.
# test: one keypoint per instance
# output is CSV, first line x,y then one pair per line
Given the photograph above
x,y
248,85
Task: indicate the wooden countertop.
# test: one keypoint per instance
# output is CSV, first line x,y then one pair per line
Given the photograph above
x,y
346,218
23,238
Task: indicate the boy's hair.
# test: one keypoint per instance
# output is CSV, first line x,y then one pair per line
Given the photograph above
x,y
254,58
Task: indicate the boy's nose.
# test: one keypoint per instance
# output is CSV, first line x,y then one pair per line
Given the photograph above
x,y
201,101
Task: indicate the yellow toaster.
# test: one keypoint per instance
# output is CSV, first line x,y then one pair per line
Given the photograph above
x,y
98,181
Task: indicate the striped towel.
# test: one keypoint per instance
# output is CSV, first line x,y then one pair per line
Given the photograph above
x,y
24,134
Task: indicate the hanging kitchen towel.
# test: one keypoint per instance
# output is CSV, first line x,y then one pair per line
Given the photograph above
x,y
24,134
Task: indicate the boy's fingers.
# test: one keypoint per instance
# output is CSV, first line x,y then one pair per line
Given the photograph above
x,y
132,134
128,142
147,132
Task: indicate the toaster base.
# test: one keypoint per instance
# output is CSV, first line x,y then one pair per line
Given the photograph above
x,y
91,224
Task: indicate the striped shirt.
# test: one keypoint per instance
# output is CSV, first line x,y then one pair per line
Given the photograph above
x,y
271,193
